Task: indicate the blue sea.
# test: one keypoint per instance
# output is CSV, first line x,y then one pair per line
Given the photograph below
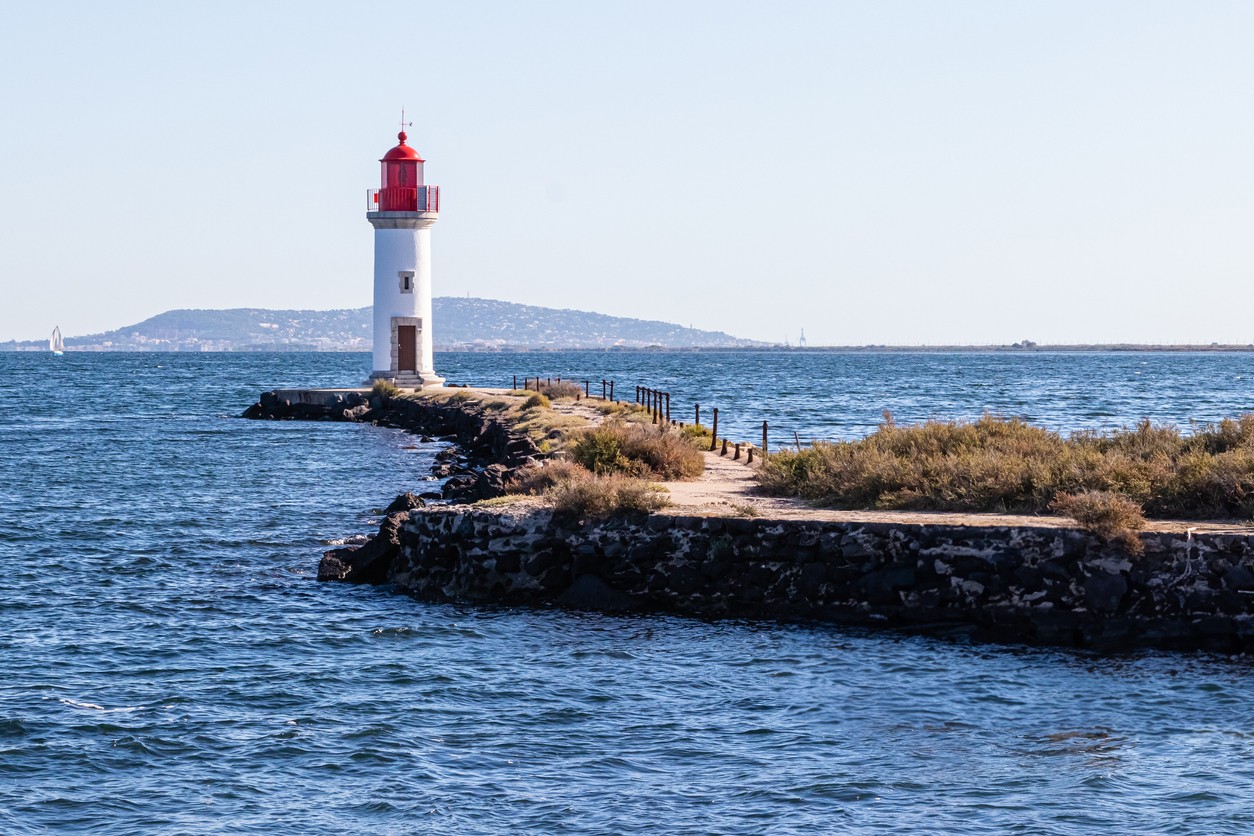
x,y
168,664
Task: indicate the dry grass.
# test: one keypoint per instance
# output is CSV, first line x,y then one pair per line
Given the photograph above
x,y
1007,465
568,487
537,401
632,412
385,389
1111,517
561,389
637,450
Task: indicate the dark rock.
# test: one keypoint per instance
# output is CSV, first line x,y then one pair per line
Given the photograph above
x,y
685,579
1103,591
589,592
1239,577
369,563
405,502
882,586
459,487
492,481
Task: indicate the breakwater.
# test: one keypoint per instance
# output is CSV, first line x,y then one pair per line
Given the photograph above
x,y
1038,584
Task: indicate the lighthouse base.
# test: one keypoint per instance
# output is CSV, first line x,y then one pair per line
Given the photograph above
x,y
409,380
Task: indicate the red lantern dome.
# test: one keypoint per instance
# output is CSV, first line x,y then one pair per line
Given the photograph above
x,y
402,151
402,179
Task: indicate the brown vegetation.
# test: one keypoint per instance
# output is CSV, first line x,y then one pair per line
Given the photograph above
x,y
385,389
537,401
560,389
569,487
1110,516
637,450
1008,465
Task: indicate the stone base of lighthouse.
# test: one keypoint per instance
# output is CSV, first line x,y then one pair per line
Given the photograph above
x,y
409,380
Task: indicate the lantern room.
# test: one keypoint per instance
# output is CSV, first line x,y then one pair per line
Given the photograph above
x,y
401,187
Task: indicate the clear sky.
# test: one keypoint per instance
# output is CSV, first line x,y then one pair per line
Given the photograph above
x,y
872,172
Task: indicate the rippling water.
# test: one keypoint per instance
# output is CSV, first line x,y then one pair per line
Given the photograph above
x,y
169,665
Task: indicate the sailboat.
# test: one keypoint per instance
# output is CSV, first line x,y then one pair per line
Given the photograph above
x,y
55,344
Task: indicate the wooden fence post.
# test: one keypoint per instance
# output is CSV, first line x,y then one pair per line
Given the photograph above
x,y
765,449
668,407
515,383
714,438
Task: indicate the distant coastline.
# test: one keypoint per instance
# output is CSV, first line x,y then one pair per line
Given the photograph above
x,y
41,345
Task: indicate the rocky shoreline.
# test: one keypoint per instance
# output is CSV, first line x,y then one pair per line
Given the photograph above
x,y
482,454
1010,583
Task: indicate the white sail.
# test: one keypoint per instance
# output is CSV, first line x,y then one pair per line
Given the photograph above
x,y
55,344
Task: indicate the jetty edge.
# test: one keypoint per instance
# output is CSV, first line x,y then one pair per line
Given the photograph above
x,y
1000,578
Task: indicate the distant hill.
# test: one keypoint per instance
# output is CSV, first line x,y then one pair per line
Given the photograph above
x,y
459,323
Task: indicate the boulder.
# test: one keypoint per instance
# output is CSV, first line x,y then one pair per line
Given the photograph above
x,y
368,563
405,502
492,481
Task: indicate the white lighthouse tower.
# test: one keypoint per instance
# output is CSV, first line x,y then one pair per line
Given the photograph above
x,y
402,212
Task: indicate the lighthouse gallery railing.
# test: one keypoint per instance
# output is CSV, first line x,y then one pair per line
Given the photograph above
x,y
401,199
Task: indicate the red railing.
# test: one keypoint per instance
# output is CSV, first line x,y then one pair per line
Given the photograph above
x,y
402,199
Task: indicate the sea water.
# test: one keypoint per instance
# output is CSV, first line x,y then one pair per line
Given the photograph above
x,y
168,664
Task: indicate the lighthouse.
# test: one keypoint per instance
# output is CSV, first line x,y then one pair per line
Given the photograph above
x,y
402,211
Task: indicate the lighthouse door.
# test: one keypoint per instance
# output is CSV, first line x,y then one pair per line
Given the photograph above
x,y
406,348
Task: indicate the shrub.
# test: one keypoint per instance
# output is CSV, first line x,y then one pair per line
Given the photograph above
x,y
695,432
598,496
385,389
539,479
1111,517
1008,465
637,450
569,487
561,389
537,401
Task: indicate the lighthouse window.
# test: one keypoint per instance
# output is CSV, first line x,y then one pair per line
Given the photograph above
x,y
407,281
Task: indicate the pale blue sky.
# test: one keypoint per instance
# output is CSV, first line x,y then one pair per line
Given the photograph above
x,y
887,172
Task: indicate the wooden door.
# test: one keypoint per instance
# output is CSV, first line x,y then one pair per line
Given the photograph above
x,y
406,348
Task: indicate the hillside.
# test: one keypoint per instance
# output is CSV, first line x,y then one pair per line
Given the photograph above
x,y
459,323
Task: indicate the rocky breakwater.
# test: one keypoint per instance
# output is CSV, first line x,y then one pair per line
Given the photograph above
x,y
1057,586
482,455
